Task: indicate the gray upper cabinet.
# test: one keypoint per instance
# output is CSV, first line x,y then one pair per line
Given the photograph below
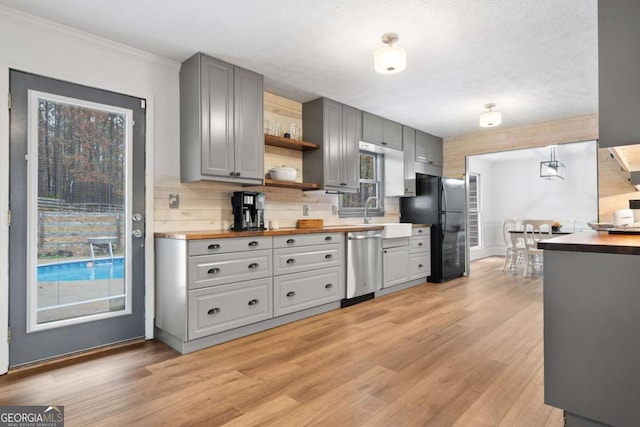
x,y
409,148
618,69
428,148
221,122
337,129
380,131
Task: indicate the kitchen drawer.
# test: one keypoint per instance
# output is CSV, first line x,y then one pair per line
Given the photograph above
x,y
296,240
420,264
220,308
221,246
421,231
419,244
299,291
209,270
294,260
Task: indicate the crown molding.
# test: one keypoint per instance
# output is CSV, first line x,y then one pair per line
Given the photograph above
x,y
23,18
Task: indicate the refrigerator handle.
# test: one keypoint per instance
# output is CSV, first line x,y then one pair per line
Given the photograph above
x,y
444,196
443,221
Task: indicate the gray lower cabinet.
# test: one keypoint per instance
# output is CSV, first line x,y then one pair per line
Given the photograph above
x,y
220,308
395,262
221,122
420,253
428,149
380,131
309,270
337,129
298,291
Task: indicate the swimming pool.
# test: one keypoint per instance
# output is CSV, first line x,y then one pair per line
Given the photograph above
x,y
82,270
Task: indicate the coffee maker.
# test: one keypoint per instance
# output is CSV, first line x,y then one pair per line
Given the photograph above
x,y
248,211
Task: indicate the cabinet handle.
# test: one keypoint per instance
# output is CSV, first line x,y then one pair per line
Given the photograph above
x,y
291,261
384,143
430,162
237,173
420,230
328,286
385,252
328,239
254,243
420,265
420,244
214,246
254,302
254,265
214,311
213,271
328,256
343,183
291,241
291,294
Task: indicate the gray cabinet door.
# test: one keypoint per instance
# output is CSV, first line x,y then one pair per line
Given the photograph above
x,y
351,132
435,149
392,134
372,128
409,149
332,144
428,148
248,124
395,266
216,94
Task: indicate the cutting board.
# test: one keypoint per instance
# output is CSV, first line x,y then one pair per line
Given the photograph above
x,y
310,223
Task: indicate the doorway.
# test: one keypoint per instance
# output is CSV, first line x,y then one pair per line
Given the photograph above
x,y
77,197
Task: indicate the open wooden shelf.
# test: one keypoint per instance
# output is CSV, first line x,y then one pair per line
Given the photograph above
x,y
289,184
291,144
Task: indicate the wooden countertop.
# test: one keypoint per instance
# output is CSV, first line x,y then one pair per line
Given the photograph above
x,y
221,234
421,225
594,241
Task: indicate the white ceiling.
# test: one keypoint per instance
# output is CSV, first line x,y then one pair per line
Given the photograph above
x,y
539,154
536,59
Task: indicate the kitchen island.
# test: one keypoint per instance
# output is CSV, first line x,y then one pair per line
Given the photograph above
x,y
592,328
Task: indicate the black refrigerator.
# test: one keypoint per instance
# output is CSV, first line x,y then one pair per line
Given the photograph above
x,y
440,202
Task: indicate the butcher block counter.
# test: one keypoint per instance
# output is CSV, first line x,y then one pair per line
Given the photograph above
x,y
218,234
591,324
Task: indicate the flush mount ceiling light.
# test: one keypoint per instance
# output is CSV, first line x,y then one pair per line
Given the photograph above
x,y
552,169
390,59
490,119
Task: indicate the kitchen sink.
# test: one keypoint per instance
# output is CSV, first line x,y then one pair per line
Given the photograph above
x,y
395,229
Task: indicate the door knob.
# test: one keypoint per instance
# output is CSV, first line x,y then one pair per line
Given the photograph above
x,y
137,233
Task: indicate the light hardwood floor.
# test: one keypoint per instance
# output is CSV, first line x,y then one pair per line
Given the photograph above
x,y
463,353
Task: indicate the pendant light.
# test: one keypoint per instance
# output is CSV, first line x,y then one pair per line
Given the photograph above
x,y
490,119
390,59
552,169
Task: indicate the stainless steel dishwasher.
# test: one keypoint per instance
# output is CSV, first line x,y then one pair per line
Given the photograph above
x,y
364,266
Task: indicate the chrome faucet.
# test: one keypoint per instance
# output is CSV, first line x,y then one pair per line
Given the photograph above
x,y
366,208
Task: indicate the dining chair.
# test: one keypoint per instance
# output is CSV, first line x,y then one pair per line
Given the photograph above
x,y
514,246
534,231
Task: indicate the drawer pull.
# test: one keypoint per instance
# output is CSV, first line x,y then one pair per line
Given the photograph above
x,y
328,256
420,265
214,246
291,294
384,143
254,265
420,244
214,311
213,271
328,286
254,302
253,243
291,241
291,261
328,239
420,230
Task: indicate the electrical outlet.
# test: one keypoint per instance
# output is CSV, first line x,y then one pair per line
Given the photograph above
x,y
174,201
305,210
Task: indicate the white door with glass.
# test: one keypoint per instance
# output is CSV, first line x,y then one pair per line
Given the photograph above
x,y
77,202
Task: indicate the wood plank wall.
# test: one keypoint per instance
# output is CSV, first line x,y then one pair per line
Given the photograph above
x,y
207,206
614,189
